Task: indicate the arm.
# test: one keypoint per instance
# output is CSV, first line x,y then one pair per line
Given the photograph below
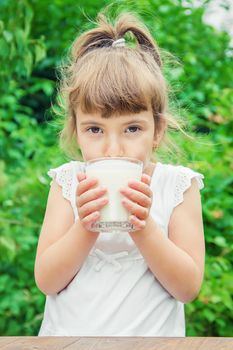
x,y
177,261
63,245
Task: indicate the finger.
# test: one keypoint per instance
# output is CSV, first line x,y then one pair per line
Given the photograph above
x,y
92,206
85,185
90,195
137,224
146,179
141,187
137,197
135,209
91,219
81,176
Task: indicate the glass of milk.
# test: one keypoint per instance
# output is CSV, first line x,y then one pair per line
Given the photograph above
x,y
114,173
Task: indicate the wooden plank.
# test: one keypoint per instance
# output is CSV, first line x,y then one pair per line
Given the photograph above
x,y
115,343
35,343
151,343
6,341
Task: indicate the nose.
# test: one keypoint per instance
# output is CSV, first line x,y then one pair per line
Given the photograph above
x,y
113,148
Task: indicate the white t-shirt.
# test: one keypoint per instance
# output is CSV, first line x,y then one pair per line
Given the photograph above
x,y
114,293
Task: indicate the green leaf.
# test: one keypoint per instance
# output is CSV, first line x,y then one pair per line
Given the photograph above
x,y
40,52
28,19
209,315
8,36
7,248
28,62
220,241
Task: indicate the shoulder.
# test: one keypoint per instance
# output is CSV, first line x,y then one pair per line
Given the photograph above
x,y
173,169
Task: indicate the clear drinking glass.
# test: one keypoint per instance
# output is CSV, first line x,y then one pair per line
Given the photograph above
x,y
114,173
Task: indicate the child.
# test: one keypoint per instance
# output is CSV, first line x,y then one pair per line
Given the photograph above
x,y
119,284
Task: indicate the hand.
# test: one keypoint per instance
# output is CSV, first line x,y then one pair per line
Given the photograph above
x,y
88,200
138,201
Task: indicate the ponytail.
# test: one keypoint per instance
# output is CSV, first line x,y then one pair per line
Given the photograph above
x,y
129,23
105,34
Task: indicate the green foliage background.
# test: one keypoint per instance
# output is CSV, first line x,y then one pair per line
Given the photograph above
x,y
34,36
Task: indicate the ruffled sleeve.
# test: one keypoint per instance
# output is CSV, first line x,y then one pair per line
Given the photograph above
x,y
183,182
63,175
66,176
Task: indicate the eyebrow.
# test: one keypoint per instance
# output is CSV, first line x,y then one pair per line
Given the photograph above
x,y
129,122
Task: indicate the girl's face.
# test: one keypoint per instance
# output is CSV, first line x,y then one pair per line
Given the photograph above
x,y
118,136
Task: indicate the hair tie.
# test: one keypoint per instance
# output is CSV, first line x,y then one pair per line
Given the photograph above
x,y
119,43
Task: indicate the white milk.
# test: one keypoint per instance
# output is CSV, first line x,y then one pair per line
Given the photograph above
x,y
114,173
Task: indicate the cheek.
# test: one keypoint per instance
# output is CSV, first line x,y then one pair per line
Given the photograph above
x,y
142,147
89,152
147,149
143,154
86,149
147,144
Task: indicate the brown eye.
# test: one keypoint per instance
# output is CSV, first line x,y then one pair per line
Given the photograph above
x,y
134,128
95,128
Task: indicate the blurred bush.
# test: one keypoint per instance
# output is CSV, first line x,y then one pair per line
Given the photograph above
x,y
34,36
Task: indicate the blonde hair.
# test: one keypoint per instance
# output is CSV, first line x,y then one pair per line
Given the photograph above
x,y
114,80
